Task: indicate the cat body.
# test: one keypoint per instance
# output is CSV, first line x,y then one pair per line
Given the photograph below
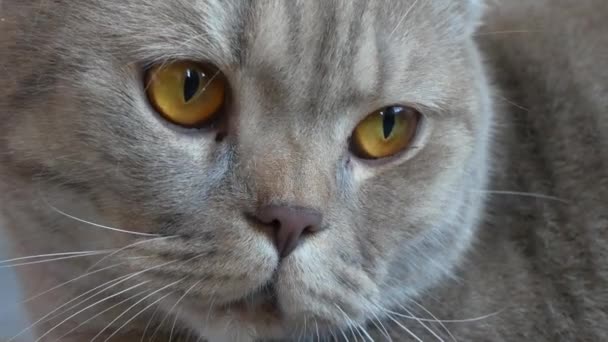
x,y
491,226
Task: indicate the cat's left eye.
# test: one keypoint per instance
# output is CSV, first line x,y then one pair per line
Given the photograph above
x,y
385,132
186,93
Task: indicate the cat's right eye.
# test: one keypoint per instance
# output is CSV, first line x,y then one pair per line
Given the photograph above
x,y
186,93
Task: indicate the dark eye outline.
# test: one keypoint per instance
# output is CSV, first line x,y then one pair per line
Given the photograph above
x,y
217,119
415,135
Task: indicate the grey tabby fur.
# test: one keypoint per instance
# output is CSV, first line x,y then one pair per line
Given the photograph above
x,y
495,222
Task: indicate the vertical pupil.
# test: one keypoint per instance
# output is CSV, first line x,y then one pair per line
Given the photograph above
x,y
191,84
388,122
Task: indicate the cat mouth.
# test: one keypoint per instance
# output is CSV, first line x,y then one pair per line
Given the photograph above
x,y
267,311
262,302
260,310
263,311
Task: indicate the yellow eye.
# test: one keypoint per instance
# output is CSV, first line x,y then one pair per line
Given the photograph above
x,y
385,132
186,93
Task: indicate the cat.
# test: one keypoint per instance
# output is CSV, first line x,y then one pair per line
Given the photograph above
x,y
402,170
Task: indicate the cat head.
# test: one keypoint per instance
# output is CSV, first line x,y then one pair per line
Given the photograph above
x,y
310,160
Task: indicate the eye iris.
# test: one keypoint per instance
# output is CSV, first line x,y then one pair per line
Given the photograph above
x,y
186,93
192,83
385,132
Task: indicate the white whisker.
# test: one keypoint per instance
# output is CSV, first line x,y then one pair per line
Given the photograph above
x,y
101,313
171,309
177,303
210,80
68,282
173,327
88,307
421,323
129,246
110,284
143,336
350,322
466,320
333,335
48,255
165,264
131,307
404,328
344,335
437,320
523,194
362,329
156,331
213,297
61,306
513,103
115,282
93,223
53,259
382,328
136,315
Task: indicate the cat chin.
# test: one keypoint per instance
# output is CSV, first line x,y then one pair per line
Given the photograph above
x,y
256,317
263,323
239,321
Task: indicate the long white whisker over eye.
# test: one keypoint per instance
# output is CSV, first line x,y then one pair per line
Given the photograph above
x,y
97,225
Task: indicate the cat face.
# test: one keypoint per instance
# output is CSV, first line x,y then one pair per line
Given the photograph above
x,y
298,80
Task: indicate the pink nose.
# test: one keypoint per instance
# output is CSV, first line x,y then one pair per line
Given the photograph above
x,y
290,224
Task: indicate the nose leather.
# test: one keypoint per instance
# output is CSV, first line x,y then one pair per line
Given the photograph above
x,y
289,224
